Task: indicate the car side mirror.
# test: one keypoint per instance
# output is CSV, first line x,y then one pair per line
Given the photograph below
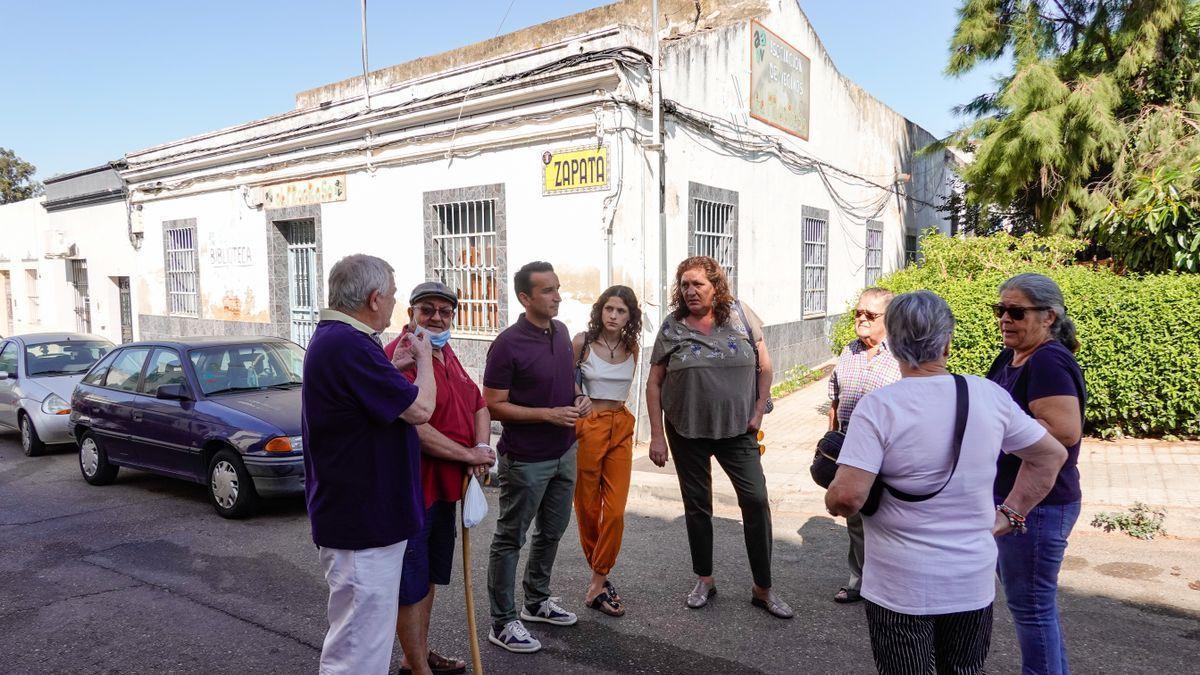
x,y
4,375
173,392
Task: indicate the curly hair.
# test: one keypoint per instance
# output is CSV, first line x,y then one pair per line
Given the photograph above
x,y
632,331
722,299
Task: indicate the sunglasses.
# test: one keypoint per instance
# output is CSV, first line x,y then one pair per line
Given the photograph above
x,y
1015,312
430,310
870,316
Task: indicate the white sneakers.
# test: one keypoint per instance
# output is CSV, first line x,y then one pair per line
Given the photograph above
x,y
549,612
516,638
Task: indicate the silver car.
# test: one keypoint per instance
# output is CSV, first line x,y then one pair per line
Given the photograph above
x,y
38,373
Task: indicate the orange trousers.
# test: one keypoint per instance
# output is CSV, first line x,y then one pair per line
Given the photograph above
x,y
604,462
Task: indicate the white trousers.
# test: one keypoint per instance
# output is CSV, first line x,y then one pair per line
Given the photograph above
x,y
364,596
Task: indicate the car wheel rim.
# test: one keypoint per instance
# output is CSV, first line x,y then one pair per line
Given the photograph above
x,y
89,457
224,484
26,435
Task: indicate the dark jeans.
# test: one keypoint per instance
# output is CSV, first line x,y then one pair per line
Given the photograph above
x,y
1028,565
544,491
739,457
946,644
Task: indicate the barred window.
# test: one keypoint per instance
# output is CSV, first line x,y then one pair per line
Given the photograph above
x,y
874,252
181,265
465,259
816,258
912,254
31,291
712,227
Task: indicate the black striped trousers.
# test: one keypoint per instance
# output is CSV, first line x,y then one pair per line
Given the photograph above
x,y
907,644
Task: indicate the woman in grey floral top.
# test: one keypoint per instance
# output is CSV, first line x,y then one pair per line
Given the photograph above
x,y
705,400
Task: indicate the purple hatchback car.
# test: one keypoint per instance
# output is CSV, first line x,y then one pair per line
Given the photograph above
x,y
223,412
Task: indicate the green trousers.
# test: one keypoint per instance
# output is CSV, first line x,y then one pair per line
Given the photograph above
x,y
529,492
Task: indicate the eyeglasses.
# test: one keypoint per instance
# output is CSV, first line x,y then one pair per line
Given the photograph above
x,y
870,316
430,310
1015,312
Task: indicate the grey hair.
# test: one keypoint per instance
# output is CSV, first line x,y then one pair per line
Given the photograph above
x,y
1044,292
877,292
919,327
354,277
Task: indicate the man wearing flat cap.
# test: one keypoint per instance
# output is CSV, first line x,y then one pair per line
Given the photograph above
x,y
453,442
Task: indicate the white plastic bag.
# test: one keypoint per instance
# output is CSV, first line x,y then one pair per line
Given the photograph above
x,y
475,507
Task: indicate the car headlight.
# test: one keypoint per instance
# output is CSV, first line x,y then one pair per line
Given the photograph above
x,y
55,405
285,444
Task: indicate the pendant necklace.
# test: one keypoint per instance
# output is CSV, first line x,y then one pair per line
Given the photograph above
x,y
612,351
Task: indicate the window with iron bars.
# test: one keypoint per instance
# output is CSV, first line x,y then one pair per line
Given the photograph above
x,y
181,263
912,252
815,225
31,291
712,227
465,243
77,274
874,252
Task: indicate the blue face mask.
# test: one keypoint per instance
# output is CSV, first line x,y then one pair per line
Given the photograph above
x,y
437,340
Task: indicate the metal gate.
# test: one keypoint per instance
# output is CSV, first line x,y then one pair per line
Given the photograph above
x,y
126,309
77,273
302,279
6,278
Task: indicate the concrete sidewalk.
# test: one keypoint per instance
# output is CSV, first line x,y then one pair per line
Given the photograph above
x,y
1114,474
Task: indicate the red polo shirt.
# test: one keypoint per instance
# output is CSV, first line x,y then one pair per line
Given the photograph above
x,y
458,399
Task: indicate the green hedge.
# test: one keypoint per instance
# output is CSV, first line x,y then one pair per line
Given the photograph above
x,y
1140,334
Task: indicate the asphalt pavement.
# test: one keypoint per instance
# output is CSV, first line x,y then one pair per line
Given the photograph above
x,y
142,576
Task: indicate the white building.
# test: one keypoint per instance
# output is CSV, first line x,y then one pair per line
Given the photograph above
x,y
539,145
67,259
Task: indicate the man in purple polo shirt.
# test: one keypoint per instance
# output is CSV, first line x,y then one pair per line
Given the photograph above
x,y
529,385
362,461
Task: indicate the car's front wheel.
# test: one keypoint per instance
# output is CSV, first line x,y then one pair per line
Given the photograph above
x,y
230,487
31,443
93,462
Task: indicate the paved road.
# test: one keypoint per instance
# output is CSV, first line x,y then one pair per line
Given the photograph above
x,y
143,577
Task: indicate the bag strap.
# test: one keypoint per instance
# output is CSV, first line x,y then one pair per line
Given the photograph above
x,y
962,409
579,362
737,304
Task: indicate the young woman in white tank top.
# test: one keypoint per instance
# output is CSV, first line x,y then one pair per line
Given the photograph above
x,y
606,360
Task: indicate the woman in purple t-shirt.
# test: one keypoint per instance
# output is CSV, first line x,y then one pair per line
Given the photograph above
x,y
1038,368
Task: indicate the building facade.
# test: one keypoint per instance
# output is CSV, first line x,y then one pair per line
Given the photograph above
x,y
541,145
68,263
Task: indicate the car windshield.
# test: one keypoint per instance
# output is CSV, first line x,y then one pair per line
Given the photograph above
x,y
68,357
245,367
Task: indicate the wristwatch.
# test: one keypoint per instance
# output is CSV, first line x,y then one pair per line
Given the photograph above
x,y
1015,520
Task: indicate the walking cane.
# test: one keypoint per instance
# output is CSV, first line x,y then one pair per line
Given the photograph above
x,y
476,660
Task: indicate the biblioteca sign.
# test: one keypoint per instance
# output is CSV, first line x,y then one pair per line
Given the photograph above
x,y
779,82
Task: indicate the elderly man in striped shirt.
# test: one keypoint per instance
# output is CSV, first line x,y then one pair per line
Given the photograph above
x,y
865,365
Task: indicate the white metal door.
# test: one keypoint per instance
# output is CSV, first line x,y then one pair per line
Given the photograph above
x,y
302,279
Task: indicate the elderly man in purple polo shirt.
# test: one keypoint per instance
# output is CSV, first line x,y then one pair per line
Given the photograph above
x,y
362,461
529,385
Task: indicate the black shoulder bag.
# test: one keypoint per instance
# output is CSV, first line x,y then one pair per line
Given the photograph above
x,y
962,408
754,347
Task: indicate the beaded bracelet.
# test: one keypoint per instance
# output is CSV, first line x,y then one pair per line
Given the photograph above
x,y
1015,520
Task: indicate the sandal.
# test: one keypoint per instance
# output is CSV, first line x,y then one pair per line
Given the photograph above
x,y
612,590
603,603
441,665
847,595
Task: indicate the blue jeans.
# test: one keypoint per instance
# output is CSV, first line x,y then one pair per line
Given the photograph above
x,y
1028,565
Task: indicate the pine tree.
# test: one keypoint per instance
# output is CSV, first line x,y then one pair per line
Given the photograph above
x,y
1102,94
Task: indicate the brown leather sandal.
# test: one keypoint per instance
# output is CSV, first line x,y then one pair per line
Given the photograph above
x,y
440,665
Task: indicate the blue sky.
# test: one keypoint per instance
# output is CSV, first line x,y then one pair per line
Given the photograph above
x,y
94,80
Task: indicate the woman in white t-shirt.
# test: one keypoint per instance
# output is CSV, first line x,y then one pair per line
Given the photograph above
x,y
928,577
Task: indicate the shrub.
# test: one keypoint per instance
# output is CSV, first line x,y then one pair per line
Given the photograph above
x,y
1140,335
1140,522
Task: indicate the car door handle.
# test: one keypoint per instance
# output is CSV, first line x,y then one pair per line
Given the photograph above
x,y
137,416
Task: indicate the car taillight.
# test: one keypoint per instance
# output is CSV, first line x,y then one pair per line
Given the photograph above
x,y
281,444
